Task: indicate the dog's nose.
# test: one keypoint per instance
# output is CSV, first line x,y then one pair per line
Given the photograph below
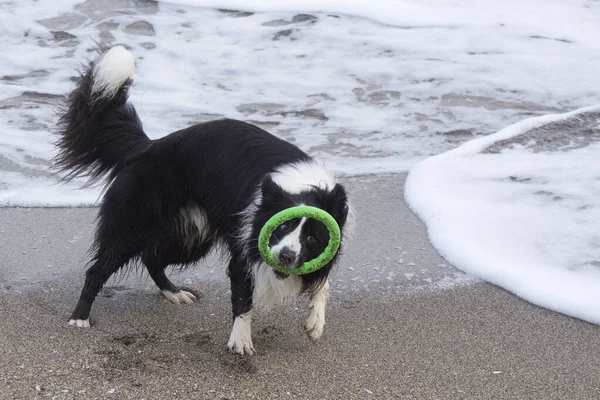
x,y
287,257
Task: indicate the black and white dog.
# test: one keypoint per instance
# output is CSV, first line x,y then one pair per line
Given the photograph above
x,y
170,201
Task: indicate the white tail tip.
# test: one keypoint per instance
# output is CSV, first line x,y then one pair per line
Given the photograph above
x,y
112,70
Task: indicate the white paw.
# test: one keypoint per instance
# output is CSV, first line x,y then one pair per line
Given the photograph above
x,y
80,323
315,323
179,297
240,341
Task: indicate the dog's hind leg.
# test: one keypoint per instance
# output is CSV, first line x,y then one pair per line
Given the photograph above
x,y
167,288
107,262
170,291
240,340
123,230
164,252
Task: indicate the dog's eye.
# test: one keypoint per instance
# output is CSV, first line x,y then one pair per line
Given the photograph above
x,y
310,239
285,227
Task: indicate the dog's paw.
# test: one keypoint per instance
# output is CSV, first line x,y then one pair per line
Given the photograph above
x,y
80,323
315,323
179,297
241,347
240,341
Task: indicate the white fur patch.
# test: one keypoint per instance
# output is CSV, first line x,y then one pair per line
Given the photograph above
x,y
240,340
302,176
179,297
349,226
80,323
269,290
291,241
112,70
315,321
194,224
247,218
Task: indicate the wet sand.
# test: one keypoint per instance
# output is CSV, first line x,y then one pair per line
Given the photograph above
x,y
401,324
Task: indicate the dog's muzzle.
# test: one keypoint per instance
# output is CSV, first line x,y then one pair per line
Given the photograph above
x,y
287,257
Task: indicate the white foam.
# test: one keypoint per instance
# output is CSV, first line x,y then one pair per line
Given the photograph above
x,y
28,191
414,12
526,221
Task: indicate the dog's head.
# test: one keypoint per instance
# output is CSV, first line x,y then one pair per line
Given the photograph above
x,y
302,239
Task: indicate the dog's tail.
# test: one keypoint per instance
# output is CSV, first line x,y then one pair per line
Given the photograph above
x,y
98,131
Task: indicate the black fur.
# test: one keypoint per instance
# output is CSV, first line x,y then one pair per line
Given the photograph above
x,y
213,170
97,135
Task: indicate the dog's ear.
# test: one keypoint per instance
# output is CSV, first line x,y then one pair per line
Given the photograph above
x,y
337,203
270,190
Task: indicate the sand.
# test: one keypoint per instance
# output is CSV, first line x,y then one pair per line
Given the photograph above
x,y
402,323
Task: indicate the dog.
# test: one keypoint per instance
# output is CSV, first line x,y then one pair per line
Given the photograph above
x,y
170,201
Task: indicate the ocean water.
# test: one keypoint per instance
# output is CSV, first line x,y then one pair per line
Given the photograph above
x,y
437,87
369,87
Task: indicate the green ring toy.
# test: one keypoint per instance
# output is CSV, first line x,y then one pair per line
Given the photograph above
x,y
298,212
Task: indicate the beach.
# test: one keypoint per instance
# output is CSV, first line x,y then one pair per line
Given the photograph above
x,y
375,91
427,332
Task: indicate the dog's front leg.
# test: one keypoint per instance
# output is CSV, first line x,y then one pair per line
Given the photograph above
x,y
315,321
240,340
